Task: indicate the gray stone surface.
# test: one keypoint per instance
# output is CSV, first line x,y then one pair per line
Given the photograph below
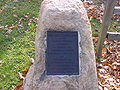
x,y
63,15
113,36
117,10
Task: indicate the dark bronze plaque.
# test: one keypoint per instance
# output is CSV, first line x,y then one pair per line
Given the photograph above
x,y
62,53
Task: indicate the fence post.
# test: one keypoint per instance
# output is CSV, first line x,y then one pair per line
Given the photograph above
x,y
110,4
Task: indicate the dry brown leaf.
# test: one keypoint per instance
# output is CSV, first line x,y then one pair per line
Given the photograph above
x,y
19,86
25,70
21,76
108,68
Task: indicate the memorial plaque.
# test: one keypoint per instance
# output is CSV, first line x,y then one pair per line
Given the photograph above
x,y
62,53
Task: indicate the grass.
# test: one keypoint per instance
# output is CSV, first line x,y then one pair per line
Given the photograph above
x,y
17,38
96,25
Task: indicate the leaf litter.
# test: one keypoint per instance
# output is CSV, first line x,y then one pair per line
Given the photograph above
x,y
108,69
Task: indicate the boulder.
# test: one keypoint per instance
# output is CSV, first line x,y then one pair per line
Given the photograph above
x,y
66,15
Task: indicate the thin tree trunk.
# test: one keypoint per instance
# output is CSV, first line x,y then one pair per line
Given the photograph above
x,y
110,4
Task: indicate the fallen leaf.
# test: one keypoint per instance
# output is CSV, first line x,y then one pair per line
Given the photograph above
x,y
19,86
25,70
21,76
32,60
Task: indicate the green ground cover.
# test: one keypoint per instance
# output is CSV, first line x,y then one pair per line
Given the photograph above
x,y
95,24
16,39
18,21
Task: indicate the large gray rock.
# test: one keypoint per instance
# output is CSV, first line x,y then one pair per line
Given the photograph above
x,y
63,15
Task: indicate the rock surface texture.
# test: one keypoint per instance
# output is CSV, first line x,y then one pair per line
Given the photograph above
x,y
63,15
